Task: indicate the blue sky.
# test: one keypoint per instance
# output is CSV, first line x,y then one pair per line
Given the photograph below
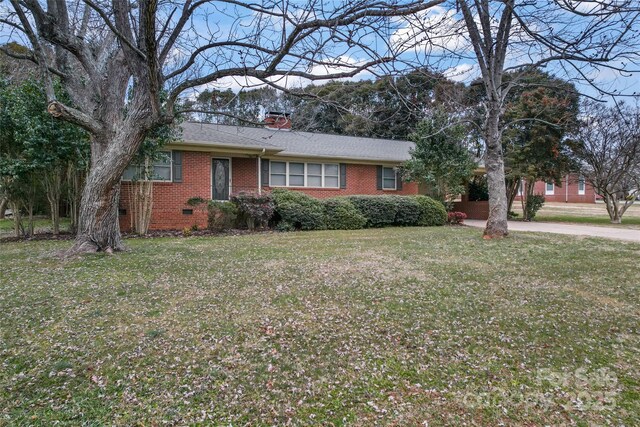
x,y
449,54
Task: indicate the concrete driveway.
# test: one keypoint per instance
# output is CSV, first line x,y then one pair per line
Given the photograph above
x,y
560,228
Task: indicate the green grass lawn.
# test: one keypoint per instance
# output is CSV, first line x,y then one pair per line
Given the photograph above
x,y
595,220
41,225
389,326
584,213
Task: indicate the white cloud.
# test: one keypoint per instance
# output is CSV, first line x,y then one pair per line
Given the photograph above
x,y
461,73
338,65
436,30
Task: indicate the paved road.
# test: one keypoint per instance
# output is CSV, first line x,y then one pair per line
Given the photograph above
x,y
559,228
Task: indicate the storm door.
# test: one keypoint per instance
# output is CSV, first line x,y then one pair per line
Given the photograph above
x,y
220,179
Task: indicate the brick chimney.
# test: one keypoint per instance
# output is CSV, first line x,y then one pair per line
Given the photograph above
x,y
275,120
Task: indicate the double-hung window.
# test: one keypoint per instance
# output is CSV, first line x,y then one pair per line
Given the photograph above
x,y
388,178
581,186
331,176
314,174
549,189
296,174
300,174
158,170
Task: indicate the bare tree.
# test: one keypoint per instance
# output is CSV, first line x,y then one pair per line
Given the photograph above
x,y
126,64
574,39
607,148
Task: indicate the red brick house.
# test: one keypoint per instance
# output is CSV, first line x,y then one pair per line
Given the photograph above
x,y
214,161
574,189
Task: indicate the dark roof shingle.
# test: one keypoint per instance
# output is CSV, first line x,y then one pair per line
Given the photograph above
x,y
294,143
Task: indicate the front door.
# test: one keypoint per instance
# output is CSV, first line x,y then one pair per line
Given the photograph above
x,y
220,181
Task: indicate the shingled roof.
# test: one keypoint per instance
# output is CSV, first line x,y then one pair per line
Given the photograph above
x,y
294,143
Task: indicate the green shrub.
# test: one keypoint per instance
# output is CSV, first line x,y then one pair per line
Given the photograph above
x,y
196,201
221,215
254,209
297,210
432,212
379,211
408,210
340,214
532,206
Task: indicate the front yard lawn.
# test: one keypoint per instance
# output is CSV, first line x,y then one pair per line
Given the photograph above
x,y
585,213
397,326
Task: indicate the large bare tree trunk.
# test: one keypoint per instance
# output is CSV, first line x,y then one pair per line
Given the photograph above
x,y
494,164
98,223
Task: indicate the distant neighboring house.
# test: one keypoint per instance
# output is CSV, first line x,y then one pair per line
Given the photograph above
x,y
214,161
574,189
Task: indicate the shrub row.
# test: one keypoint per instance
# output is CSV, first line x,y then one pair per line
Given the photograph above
x,y
382,211
297,211
287,210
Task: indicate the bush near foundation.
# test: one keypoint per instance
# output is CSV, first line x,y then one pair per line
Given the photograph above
x,y
432,212
380,211
340,214
297,211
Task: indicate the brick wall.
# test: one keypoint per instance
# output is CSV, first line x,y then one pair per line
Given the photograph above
x,y
474,210
361,179
568,192
244,174
169,199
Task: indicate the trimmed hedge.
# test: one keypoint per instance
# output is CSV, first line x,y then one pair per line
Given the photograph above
x,y
379,211
340,214
297,211
408,211
432,212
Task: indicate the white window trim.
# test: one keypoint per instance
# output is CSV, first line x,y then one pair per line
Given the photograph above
x,y
548,192
582,181
170,153
306,174
395,179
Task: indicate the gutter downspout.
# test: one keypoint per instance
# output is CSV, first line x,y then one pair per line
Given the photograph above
x,y
260,170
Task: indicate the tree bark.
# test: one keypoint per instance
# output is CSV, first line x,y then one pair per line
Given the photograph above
x,y
3,207
17,218
512,185
98,226
141,200
494,163
98,222
53,187
75,181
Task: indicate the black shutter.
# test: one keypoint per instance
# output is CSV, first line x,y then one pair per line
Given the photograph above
x,y
176,164
398,181
379,177
343,175
265,173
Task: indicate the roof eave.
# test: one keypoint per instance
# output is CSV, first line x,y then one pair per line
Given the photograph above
x,y
346,158
207,146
